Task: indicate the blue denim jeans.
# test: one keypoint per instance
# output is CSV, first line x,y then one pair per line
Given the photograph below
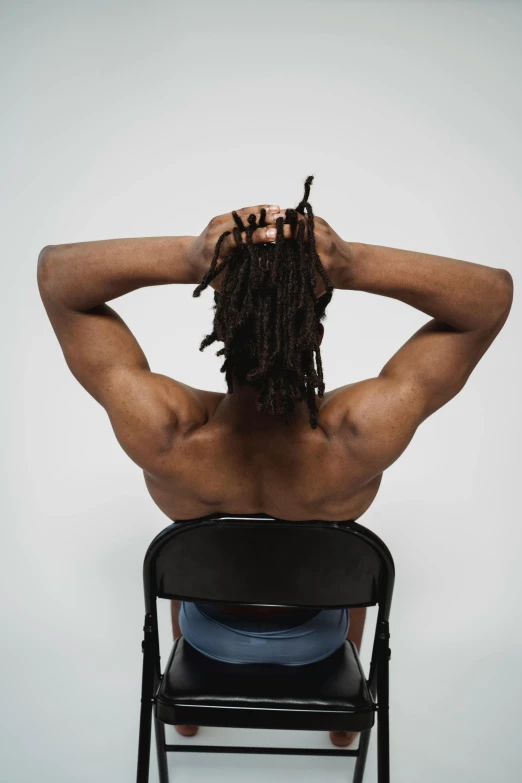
x,y
297,639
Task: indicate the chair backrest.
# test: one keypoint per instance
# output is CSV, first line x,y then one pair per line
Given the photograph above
x,y
261,560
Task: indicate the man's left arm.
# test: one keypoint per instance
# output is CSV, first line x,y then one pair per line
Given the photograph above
x,y
76,281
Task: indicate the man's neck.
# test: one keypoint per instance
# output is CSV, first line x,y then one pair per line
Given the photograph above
x,y
241,405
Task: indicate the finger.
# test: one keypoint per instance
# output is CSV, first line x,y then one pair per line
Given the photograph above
x,y
269,234
227,223
259,236
248,216
270,217
291,233
231,225
274,216
246,211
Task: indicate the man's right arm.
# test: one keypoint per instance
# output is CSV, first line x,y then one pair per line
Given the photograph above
x,y
468,303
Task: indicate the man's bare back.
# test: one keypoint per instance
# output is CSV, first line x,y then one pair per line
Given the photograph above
x,y
236,460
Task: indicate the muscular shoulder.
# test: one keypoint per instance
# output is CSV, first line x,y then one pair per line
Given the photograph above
x,y
149,412
377,418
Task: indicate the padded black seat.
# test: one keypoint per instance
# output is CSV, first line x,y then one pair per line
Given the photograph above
x,y
330,694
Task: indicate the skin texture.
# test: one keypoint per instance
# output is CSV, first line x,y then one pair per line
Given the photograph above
x,y
206,451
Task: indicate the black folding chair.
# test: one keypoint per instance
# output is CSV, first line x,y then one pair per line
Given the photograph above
x,y
255,559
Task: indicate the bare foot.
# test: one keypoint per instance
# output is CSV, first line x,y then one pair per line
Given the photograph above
x,y
187,731
343,738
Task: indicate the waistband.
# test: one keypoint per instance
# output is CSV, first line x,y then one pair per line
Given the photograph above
x,y
257,624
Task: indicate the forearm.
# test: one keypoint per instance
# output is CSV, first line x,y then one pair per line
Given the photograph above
x,y
86,274
462,294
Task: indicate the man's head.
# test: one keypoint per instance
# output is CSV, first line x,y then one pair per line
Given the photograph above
x,y
268,315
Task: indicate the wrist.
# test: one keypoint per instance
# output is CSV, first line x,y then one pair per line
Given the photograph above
x,y
196,267
344,272
191,262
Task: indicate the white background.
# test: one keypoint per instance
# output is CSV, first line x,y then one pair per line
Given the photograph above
x,y
129,119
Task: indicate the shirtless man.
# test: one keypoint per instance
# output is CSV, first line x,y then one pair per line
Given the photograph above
x,y
205,451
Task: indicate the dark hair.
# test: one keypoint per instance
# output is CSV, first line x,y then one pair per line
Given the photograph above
x,y
268,315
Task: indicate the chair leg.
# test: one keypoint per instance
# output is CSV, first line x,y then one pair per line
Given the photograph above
x,y
147,691
360,764
383,746
144,743
383,711
163,770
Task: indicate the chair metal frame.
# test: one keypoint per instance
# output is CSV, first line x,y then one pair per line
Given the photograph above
x,y
377,681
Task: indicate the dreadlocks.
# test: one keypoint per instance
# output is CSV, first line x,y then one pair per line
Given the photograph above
x,y
267,314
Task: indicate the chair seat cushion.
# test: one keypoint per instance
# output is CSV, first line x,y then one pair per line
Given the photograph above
x,y
331,693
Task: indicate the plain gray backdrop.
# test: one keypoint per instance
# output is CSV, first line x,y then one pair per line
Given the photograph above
x,y
129,119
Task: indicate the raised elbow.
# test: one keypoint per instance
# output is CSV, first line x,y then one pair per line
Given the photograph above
x,y
507,280
504,294
506,287
45,268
